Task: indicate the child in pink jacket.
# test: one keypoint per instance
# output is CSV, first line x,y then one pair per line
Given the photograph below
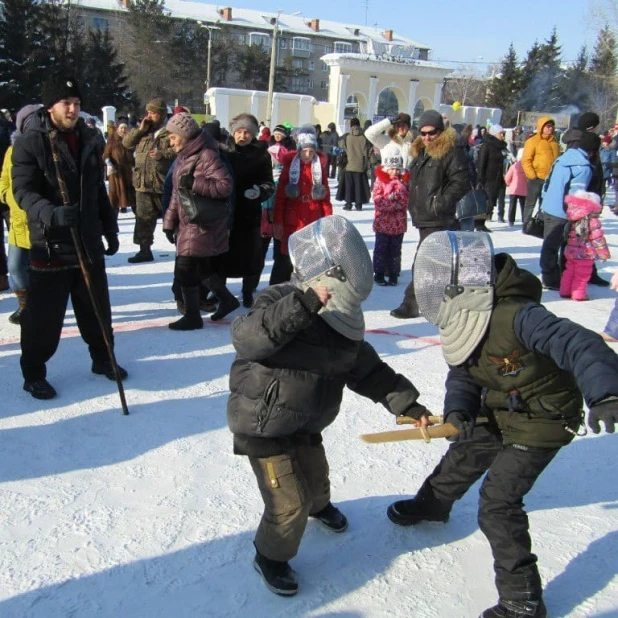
x,y
390,198
516,188
585,243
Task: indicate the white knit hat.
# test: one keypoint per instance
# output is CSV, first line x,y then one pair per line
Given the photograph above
x,y
391,157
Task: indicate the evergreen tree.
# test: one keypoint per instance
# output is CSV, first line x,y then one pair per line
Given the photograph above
x,y
603,67
504,89
575,84
253,62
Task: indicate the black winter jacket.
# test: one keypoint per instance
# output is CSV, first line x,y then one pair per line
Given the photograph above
x,y
287,380
35,186
439,178
490,170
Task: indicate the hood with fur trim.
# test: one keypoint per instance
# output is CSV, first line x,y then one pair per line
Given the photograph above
x,y
385,178
439,148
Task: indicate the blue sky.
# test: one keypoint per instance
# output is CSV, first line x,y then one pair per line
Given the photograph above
x,y
459,30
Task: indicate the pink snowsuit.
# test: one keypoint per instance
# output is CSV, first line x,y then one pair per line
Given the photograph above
x,y
585,243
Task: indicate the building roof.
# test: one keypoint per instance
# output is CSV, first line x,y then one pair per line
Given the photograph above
x,y
255,19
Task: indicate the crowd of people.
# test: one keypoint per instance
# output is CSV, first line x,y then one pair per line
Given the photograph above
x,y
518,376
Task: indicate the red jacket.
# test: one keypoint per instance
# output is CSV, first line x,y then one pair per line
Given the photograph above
x,y
390,199
293,214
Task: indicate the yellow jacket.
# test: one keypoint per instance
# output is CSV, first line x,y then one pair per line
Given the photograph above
x,y
18,234
540,152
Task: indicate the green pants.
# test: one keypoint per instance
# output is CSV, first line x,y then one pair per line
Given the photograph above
x,y
147,211
293,486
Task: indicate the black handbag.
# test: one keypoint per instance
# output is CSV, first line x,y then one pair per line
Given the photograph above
x,y
472,204
534,225
200,209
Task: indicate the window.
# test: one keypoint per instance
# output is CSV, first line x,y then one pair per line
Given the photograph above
x,y
283,43
311,65
309,83
241,39
328,50
301,43
297,63
324,84
342,47
324,67
259,38
100,23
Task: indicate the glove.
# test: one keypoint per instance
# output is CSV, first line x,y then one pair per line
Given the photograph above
x,y
462,421
606,411
416,411
170,235
65,216
113,244
253,193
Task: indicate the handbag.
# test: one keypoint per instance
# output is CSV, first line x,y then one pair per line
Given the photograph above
x,y
200,209
534,225
472,204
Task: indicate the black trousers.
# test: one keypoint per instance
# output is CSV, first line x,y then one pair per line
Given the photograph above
x,y
553,238
511,473
3,263
282,265
43,317
534,193
332,166
513,199
191,271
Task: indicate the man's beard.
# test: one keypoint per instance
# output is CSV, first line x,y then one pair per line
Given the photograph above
x,y
62,123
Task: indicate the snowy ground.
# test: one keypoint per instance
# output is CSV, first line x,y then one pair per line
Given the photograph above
x,y
151,515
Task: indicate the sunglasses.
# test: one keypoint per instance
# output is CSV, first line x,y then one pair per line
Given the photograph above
x,y
432,132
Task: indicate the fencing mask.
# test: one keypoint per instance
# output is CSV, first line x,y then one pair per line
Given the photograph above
x,y
331,252
453,280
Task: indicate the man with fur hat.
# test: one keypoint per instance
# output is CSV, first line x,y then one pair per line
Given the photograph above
x,y
54,266
439,178
153,157
297,349
395,130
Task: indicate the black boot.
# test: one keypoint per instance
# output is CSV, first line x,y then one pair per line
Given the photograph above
x,y
192,320
105,368
22,295
143,255
425,506
279,577
379,279
40,389
227,301
332,518
406,311
392,280
516,609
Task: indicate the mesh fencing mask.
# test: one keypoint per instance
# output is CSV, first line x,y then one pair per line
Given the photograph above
x,y
331,252
453,281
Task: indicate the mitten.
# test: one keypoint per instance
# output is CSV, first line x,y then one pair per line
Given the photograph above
x,y
462,421
65,216
253,193
606,411
416,411
113,244
170,235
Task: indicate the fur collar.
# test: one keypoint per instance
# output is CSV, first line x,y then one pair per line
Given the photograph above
x,y
439,148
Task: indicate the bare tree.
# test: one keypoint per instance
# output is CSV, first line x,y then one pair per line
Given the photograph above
x,y
466,86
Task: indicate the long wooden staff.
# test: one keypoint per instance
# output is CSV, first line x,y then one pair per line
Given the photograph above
x,y
53,136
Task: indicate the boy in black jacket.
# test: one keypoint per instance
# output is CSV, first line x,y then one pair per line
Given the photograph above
x,y
297,349
522,371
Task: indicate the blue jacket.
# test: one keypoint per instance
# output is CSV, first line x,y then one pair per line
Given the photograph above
x,y
608,159
571,172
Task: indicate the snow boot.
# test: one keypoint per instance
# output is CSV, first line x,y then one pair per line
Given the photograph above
x,y
21,305
40,389
423,507
279,577
143,255
191,320
332,518
379,279
406,311
516,609
392,280
227,301
105,368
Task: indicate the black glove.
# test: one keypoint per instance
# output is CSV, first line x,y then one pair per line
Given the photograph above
x,y
65,216
462,421
416,411
170,235
606,411
113,244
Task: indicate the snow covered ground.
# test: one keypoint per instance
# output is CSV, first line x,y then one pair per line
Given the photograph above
x,y
151,515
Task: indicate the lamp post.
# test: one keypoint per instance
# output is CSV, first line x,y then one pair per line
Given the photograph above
x,y
210,28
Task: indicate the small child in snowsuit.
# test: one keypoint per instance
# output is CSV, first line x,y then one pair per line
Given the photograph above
x,y
585,243
300,345
390,198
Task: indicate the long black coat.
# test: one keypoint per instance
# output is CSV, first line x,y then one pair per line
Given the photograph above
x,y
35,186
251,165
490,170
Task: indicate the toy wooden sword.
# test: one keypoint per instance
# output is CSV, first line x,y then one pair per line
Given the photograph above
x,y
437,429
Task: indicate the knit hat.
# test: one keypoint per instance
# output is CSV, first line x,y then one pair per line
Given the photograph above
x,y
157,106
306,138
402,118
431,118
179,109
495,129
58,87
590,142
281,130
391,157
588,120
245,121
184,125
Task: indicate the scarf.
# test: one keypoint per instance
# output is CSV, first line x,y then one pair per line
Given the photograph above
x,y
318,191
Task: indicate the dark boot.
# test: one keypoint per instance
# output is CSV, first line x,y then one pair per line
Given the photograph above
x,y
516,609
595,279
21,305
392,280
40,389
379,279
192,320
425,506
143,255
520,594
249,285
105,368
409,307
4,282
279,577
332,518
227,301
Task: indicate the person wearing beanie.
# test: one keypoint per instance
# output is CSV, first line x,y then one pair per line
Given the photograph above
x,y
302,197
253,184
490,173
390,198
588,121
281,135
439,178
354,185
571,172
199,168
153,157
54,221
540,152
